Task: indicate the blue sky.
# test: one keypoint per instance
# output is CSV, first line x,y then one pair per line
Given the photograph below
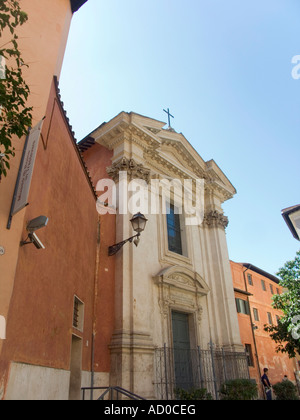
x,y
224,68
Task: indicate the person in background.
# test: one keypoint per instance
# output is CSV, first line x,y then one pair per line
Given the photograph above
x,y
267,385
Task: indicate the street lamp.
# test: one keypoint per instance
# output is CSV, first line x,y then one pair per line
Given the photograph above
x,y
291,216
138,223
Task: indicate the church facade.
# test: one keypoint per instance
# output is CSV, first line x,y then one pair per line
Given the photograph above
x,y
173,291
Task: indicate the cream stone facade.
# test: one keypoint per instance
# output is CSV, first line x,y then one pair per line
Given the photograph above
x,y
152,282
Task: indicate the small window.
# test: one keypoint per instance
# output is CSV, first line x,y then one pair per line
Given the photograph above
x,y
78,314
242,306
263,285
270,318
250,281
255,314
249,354
271,289
277,291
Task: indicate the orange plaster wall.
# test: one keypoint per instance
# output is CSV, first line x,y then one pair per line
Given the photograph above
x,y
97,159
278,364
42,40
39,323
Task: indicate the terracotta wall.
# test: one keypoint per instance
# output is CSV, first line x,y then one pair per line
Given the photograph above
x,y
42,41
97,159
39,322
278,364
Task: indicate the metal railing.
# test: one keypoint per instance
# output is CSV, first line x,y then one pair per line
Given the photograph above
x,y
111,393
196,368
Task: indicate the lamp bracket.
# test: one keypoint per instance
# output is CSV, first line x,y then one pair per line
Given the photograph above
x,y
112,250
22,243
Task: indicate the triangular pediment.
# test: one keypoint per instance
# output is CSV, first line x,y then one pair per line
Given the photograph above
x,y
172,147
162,150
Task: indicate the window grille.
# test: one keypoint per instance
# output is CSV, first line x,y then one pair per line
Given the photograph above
x,y
78,313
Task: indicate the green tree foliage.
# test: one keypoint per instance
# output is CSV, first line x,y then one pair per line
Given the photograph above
x,y
239,390
15,116
194,394
285,391
287,333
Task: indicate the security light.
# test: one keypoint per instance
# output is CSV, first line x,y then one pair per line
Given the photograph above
x,y
37,224
32,226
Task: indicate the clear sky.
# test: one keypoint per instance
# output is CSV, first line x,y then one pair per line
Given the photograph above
x,y
224,68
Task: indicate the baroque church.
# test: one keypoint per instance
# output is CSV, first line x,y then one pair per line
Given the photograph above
x,y
175,289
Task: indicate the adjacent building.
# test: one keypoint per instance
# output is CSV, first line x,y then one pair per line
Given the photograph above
x,y
254,289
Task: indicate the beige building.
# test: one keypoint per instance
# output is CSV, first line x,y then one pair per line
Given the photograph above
x,y
174,291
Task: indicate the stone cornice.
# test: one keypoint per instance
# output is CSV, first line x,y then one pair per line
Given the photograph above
x,y
168,168
220,190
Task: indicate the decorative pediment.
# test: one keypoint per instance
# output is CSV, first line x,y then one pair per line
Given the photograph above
x,y
181,289
182,278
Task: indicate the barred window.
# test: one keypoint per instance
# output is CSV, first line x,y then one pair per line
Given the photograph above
x,y
78,314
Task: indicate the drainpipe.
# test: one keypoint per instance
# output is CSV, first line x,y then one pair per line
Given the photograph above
x,y
252,324
95,304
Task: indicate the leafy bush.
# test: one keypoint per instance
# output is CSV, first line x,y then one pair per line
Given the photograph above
x,y
239,389
285,390
193,394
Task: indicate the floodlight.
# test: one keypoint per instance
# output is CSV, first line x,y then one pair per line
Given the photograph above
x,y
37,223
32,226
